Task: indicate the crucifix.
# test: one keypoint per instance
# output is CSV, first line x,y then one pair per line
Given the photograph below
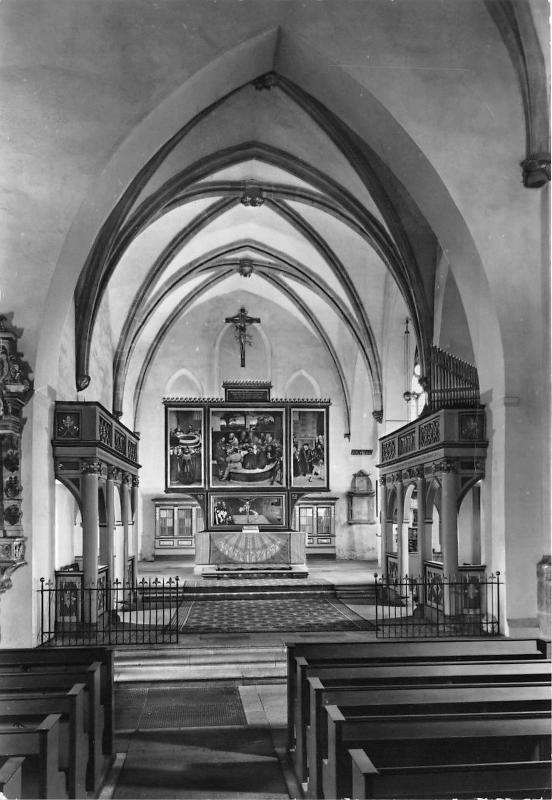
x,y
240,322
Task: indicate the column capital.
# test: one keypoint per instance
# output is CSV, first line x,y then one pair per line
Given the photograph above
x,y
378,416
126,478
92,467
446,466
382,480
113,474
135,481
417,472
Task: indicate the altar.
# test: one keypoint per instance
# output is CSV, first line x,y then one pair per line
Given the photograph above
x,y
249,547
245,461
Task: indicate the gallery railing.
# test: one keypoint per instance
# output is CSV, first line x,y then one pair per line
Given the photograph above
x,y
434,605
143,612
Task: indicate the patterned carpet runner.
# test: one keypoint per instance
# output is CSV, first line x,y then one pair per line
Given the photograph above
x,y
267,615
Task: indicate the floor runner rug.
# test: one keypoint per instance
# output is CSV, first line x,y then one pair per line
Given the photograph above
x,y
177,706
201,764
267,615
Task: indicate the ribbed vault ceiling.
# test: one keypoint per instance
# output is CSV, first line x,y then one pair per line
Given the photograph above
x,y
257,178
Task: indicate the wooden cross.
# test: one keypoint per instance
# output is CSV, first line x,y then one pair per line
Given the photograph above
x,y
240,322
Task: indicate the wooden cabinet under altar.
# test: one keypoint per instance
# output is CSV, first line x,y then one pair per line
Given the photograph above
x,y
176,524
315,518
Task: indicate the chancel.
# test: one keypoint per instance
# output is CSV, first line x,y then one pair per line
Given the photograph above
x,y
274,399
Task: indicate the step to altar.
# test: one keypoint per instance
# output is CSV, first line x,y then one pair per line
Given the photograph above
x,y
237,589
357,593
247,662
253,572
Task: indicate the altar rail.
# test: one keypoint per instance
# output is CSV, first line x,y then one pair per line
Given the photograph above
x,y
435,605
144,612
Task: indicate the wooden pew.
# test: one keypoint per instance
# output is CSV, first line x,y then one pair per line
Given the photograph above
x,y
41,776
351,653
16,682
74,740
10,777
329,679
419,740
68,657
405,699
520,779
360,652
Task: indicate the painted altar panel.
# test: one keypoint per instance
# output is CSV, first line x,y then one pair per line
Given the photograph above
x,y
185,458
229,511
309,448
247,447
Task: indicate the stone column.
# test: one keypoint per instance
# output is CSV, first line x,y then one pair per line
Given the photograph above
x,y
424,534
386,526
449,517
126,514
112,475
476,524
402,535
90,533
136,519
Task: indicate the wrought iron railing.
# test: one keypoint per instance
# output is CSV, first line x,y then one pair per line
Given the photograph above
x,y
143,612
438,606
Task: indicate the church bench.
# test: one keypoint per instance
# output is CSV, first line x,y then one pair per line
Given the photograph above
x,y
68,657
74,740
406,699
519,779
361,652
320,679
10,776
418,739
41,776
18,683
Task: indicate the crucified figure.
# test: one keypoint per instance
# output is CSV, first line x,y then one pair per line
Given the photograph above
x,y
240,322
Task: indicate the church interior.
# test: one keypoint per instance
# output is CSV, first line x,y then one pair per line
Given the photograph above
x,y
275,386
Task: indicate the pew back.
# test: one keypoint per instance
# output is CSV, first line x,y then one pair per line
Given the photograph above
x,y
10,776
513,779
41,777
422,740
74,741
349,654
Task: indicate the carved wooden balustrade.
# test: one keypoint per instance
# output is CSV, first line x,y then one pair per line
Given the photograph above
x,y
452,430
88,432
